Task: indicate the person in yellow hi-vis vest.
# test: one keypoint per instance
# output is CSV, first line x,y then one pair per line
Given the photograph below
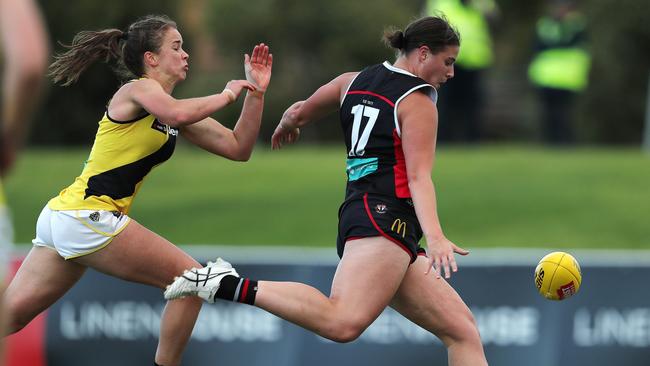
x,y
560,68
461,102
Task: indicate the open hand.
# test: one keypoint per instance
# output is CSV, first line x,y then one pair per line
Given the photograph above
x,y
258,67
441,256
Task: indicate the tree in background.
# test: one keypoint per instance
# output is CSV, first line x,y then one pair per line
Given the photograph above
x,y
56,123
314,40
613,107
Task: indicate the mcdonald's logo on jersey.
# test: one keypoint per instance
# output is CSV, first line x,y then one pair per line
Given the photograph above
x,y
399,227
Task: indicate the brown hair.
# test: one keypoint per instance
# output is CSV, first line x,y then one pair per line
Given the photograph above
x,y
127,48
432,31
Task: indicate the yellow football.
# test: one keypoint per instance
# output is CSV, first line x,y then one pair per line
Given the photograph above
x,y
558,276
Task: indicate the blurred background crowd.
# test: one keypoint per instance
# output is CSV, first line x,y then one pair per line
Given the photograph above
x,y
557,72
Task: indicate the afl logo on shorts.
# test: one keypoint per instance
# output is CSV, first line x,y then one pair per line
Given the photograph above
x,y
94,216
380,208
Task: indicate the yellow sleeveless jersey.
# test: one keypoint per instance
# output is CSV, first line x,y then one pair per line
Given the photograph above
x,y
123,154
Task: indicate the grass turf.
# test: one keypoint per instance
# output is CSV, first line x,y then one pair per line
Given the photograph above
x,y
488,196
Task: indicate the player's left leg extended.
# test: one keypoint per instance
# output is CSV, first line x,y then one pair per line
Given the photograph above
x,y
435,306
365,281
139,255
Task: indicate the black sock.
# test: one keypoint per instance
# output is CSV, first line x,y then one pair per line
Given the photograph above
x,y
237,289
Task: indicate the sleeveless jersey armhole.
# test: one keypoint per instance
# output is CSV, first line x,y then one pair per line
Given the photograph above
x,y
433,95
142,115
348,88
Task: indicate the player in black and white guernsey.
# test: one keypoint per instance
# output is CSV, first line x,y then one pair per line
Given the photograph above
x,y
372,132
377,190
389,118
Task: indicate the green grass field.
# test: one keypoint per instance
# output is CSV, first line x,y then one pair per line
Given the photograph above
x,y
490,196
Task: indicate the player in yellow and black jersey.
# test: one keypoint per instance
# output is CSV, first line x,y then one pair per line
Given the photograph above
x,y
117,166
87,224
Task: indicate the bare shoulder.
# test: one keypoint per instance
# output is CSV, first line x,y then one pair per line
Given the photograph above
x,y
127,102
417,102
417,112
345,79
141,85
138,90
348,76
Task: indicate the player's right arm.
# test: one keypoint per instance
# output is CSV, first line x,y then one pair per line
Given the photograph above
x,y
419,120
149,95
325,100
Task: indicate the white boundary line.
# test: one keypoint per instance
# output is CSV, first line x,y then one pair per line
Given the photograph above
x,y
484,257
507,257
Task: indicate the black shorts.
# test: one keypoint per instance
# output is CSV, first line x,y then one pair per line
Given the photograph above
x,y
375,215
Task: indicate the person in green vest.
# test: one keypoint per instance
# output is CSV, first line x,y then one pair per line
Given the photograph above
x,y
559,69
461,102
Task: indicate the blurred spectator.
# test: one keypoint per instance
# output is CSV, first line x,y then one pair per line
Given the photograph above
x,y
559,68
461,102
24,52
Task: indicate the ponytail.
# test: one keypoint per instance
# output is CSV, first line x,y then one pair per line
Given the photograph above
x,y
87,47
394,38
127,48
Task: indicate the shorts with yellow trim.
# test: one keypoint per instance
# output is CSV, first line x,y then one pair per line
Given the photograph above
x,y
377,215
75,233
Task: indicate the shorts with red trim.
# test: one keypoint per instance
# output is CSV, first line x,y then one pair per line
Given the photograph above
x,y
376,215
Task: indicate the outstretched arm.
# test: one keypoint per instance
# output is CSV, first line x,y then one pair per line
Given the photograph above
x,y
419,118
148,94
324,101
237,144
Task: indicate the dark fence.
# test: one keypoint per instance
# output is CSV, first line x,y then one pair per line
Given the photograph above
x,y
104,321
